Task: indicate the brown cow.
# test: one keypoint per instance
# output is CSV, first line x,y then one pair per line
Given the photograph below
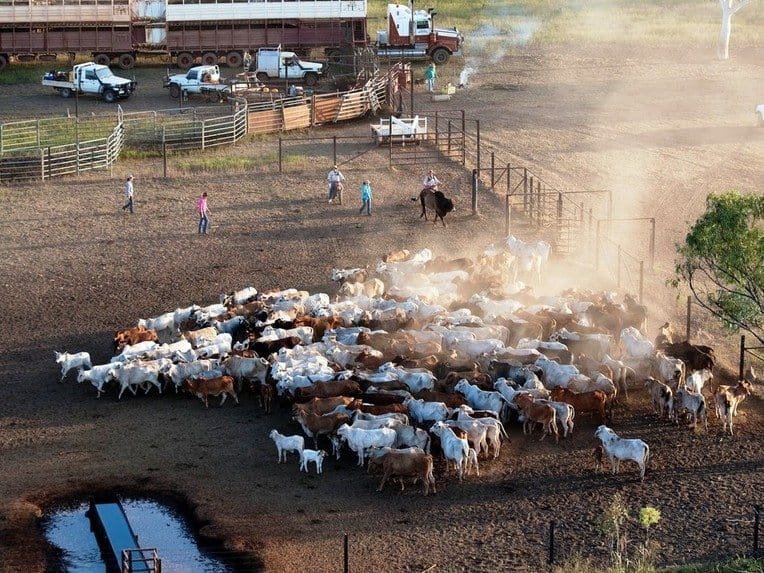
x,y
328,390
408,465
450,400
314,425
206,387
133,336
543,414
595,401
266,397
319,325
377,410
321,406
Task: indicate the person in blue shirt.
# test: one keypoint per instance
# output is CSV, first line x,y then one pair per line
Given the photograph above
x,y
365,197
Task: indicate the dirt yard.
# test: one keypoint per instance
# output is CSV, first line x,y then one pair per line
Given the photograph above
x,y
660,128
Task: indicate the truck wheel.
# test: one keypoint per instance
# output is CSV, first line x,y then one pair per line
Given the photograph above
x,y
109,96
3,61
174,91
66,93
311,79
102,59
440,56
262,77
234,59
126,61
210,58
185,60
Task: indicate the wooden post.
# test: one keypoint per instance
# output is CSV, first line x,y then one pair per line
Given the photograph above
x,y
741,370
525,190
203,122
164,153
474,191
390,144
493,170
530,198
550,559
346,556
477,128
689,315
559,205
411,83
334,144
641,281
437,138
50,166
464,139
538,205
448,147
281,151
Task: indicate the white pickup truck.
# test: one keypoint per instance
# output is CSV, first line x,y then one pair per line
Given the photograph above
x,y
275,63
198,80
90,78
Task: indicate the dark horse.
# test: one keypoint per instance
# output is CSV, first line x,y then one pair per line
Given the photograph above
x,y
436,201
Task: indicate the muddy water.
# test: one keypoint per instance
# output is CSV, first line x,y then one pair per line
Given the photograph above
x,y
156,525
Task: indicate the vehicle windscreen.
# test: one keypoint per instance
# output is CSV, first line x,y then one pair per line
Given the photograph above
x,y
104,74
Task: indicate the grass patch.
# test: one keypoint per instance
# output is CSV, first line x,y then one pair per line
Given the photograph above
x,y
738,565
139,153
25,73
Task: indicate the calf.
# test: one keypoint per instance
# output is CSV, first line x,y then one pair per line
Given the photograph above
x,y
79,360
543,414
454,448
286,444
97,376
359,440
727,399
133,336
661,396
204,388
315,456
694,403
618,449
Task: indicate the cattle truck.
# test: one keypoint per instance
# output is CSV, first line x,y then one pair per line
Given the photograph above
x,y
209,32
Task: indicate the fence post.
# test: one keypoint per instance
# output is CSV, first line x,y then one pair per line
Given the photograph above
x,y
42,164
756,523
448,147
437,139
618,272
689,314
280,155
742,357
345,555
474,191
559,205
538,206
507,216
38,132
77,141
50,167
334,144
493,170
530,199
525,190
164,151
203,122
550,559
1,138
464,139
641,281
477,128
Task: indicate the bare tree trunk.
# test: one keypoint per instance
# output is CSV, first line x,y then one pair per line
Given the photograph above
x,y
728,10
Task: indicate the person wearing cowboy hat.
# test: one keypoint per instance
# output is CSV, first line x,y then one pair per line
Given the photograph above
x,y
128,190
335,179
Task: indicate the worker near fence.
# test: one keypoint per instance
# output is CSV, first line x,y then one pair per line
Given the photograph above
x,y
430,75
335,179
203,210
365,198
430,182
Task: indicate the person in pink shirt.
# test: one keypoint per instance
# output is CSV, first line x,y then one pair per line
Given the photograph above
x,y
204,213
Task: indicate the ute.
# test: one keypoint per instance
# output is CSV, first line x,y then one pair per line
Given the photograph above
x,y
90,78
198,80
275,63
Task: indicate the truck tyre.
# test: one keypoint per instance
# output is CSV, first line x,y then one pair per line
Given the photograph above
x,y
109,96
126,61
102,59
262,77
174,91
311,79
185,60
66,93
234,59
209,59
3,61
440,56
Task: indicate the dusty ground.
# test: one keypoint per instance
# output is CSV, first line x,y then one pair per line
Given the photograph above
x,y
660,128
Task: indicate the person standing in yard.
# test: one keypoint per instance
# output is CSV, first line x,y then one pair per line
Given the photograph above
x,y
365,197
128,190
430,75
335,179
204,213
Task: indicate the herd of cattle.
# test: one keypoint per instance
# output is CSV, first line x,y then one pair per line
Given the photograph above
x,y
430,349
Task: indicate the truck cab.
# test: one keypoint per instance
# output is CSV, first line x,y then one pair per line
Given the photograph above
x,y
275,63
193,81
412,34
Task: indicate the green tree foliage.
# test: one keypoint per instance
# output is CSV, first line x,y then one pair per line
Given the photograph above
x,y
722,261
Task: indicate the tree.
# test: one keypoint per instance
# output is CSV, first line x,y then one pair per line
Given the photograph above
x,y
729,8
722,261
